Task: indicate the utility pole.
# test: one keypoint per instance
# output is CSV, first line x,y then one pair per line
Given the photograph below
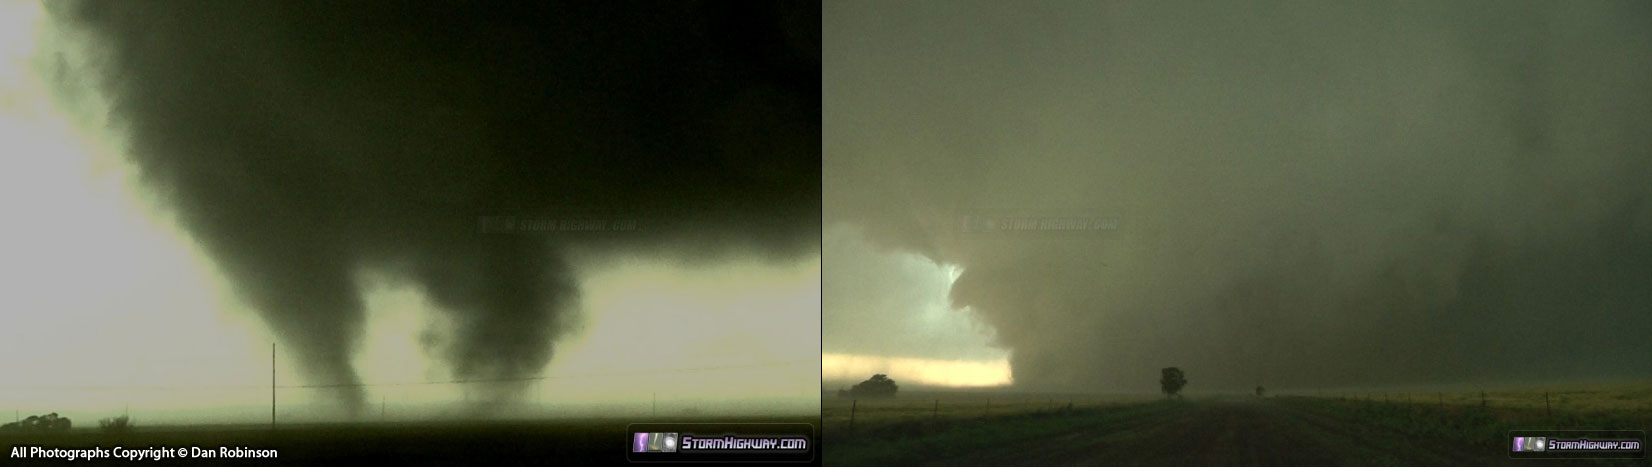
x,y
852,405
272,385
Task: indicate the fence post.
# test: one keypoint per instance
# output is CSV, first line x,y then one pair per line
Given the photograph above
x,y
1442,399
936,412
852,405
1482,399
1546,409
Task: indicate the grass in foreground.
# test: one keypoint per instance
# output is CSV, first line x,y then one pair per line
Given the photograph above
x,y
911,430
910,442
954,406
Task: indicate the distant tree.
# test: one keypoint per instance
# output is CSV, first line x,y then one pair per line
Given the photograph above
x,y
876,387
844,393
52,422
1171,381
48,422
1259,391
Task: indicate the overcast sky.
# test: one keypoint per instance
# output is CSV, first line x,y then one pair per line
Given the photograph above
x,y
192,181
1302,194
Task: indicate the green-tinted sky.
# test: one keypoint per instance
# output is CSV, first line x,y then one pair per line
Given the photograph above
x,y
1306,193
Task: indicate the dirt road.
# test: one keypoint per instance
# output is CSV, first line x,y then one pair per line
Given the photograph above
x,y
1238,432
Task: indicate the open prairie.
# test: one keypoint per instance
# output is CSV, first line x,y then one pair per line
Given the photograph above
x,y
1443,428
952,406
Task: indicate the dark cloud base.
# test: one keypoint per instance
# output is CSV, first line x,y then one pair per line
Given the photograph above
x,y
302,141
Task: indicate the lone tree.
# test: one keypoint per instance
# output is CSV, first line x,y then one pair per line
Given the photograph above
x,y
1259,391
877,387
1171,381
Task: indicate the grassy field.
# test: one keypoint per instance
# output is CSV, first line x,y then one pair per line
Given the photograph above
x,y
1355,428
1459,415
949,406
1615,397
913,442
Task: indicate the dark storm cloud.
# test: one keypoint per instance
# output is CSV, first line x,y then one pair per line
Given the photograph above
x,y
1307,193
300,142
